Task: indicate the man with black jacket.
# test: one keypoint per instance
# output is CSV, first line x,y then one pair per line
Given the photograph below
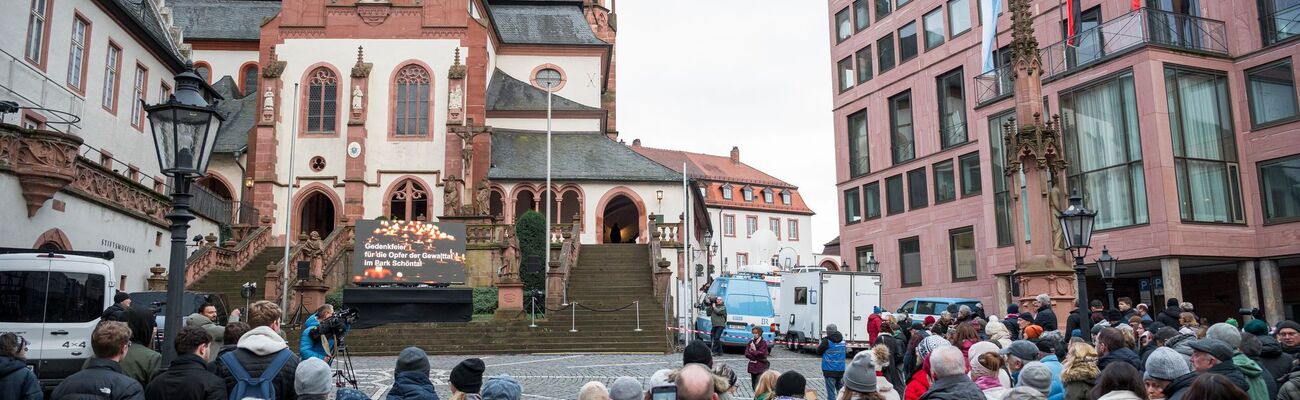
x,y
187,378
121,302
1045,318
103,378
1169,316
258,349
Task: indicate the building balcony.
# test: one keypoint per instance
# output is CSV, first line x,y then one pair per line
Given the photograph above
x,y
1114,38
1280,25
32,89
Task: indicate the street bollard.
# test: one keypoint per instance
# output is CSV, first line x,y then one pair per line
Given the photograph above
x,y
532,314
573,321
638,315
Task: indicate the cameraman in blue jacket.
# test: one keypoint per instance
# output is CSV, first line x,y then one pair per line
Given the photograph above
x,y
319,334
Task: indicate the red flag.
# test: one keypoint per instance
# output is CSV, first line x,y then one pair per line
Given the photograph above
x,y
1137,4
1069,22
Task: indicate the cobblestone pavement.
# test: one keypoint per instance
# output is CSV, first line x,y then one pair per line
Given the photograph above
x,y
559,376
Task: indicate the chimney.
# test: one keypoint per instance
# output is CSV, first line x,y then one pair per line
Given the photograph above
x,y
636,142
735,154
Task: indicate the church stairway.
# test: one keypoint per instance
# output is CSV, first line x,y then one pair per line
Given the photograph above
x,y
229,283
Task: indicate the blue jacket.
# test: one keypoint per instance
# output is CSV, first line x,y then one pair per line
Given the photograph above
x,y
1054,364
833,352
16,379
412,385
310,348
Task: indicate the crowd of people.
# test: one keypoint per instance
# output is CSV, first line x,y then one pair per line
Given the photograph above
x,y
964,354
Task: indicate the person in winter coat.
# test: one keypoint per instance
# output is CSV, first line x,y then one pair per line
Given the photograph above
x,y
504,387
16,381
142,362
187,378
1258,389
861,382
230,339
1290,389
1169,316
1047,356
311,380
1013,312
103,378
206,318
1288,334
1072,321
997,333
889,359
1079,371
1035,383
1163,368
1125,306
1214,356
1144,311
466,379
756,352
1120,382
121,302
966,335
766,388
1045,317
1271,357
948,368
411,377
833,351
1251,348
984,371
920,379
258,348
718,322
1111,345
873,326
311,344
885,386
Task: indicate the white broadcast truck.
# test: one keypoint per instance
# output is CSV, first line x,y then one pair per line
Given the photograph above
x,y
812,300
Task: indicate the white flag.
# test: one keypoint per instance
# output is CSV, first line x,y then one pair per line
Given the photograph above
x,y
989,10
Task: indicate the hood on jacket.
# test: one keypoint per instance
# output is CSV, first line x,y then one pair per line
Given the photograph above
x,y
1248,367
1172,313
1269,347
1080,371
835,336
310,322
197,320
262,341
8,365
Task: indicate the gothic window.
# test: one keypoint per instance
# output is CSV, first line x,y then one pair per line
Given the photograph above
x,y
411,111
249,77
317,163
322,101
409,201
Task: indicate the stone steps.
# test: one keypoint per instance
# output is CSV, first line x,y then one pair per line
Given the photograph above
x,y
229,283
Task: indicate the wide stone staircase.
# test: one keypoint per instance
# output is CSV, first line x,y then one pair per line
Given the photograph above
x,y
607,277
229,283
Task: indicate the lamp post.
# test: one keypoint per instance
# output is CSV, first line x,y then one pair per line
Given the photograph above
x,y
1106,264
184,130
548,79
659,201
872,266
1076,226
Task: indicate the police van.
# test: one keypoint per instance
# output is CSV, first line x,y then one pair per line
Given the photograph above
x,y
749,305
53,300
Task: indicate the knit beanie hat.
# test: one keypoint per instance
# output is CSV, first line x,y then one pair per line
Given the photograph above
x,y
929,320
1257,327
1225,332
467,376
1171,303
623,388
1036,375
120,297
928,344
1165,364
1233,322
978,370
1288,324
312,377
412,359
1013,308
860,374
791,383
504,387
1033,331
978,349
697,353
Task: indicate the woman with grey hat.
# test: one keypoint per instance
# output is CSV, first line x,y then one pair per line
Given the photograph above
x,y
860,380
1167,374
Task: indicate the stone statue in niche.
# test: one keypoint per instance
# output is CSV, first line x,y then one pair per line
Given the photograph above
x,y
1054,197
482,197
313,250
455,100
268,100
451,196
510,258
357,98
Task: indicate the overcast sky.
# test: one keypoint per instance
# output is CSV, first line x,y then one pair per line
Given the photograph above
x,y
703,76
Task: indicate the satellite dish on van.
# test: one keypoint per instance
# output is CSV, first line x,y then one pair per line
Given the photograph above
x,y
761,269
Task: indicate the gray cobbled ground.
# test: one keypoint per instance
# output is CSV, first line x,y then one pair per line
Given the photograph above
x,y
559,376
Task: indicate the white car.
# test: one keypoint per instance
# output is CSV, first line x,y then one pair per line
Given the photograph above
x,y
53,299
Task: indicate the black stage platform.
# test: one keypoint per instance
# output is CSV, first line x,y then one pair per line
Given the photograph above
x,y
389,305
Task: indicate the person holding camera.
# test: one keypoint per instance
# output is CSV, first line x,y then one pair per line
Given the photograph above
x,y
718,320
317,338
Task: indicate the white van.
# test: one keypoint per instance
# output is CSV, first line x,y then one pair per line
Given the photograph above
x,y
54,299
811,300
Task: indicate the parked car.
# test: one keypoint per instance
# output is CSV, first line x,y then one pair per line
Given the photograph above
x,y
749,305
53,299
811,300
922,307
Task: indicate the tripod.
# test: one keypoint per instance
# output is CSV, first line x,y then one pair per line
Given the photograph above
x,y
345,375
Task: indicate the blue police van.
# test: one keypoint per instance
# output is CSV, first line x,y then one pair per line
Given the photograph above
x,y
749,304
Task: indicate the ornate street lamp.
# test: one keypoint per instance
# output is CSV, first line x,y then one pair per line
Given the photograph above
x,y
184,130
872,266
1106,264
1076,226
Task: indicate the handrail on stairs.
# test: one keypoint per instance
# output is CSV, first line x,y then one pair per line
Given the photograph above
x,y
332,246
229,256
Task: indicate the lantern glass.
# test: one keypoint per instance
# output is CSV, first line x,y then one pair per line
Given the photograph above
x,y
873,266
1076,224
184,136
1106,264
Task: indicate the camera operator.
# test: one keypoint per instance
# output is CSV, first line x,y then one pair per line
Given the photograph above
x,y
320,333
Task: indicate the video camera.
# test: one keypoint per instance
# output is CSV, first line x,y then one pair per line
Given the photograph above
x,y
337,325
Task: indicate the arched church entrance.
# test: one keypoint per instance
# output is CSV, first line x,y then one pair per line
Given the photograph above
x,y
621,221
316,215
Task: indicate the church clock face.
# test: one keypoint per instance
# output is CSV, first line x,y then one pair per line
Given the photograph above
x,y
354,150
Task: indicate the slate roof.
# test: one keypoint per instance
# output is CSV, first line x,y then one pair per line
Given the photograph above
x,y
239,19
240,114
505,93
543,22
146,17
575,156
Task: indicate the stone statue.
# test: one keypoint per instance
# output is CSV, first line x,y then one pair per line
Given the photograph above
x,y
482,197
268,100
1054,197
357,97
509,271
313,250
455,100
451,196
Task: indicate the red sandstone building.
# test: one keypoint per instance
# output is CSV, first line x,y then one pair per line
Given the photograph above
x,y
1180,127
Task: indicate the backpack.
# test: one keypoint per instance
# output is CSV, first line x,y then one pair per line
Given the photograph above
x,y
247,387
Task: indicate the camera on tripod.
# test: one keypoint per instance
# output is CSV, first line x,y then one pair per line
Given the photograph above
x,y
337,325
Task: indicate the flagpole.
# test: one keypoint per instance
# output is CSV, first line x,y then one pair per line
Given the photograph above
x,y
288,207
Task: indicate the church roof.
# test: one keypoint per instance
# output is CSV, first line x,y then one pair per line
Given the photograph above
x,y
240,114
542,22
575,156
505,93
239,19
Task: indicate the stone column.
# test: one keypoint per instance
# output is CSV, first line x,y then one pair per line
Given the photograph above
x,y
1247,284
1272,288
1000,295
554,286
1172,273
272,284
354,174
157,281
311,294
510,301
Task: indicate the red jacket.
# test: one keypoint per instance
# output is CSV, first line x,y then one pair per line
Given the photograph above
x,y
873,328
917,387
757,352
